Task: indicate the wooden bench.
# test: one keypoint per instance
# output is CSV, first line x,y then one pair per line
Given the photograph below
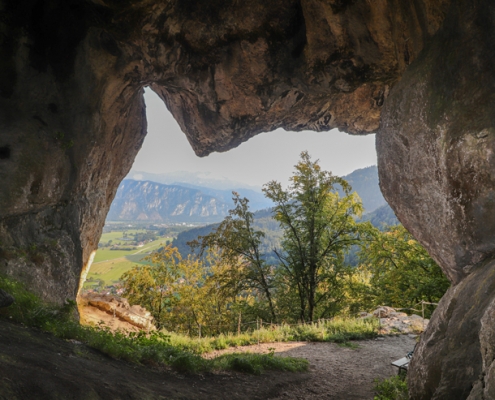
x,y
403,363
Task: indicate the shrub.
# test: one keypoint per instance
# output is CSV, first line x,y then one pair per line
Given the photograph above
x,y
394,388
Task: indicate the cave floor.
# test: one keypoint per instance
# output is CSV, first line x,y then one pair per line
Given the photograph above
x,y
35,365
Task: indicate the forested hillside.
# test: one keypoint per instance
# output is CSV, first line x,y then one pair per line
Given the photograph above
x,y
382,217
263,221
365,182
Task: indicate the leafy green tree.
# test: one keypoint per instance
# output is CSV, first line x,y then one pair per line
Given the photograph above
x,y
402,272
152,286
183,295
319,228
239,245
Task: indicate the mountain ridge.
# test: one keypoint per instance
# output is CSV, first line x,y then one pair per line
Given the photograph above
x,y
152,201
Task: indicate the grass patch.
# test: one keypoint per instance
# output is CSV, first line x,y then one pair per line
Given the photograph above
x,y
394,388
105,254
349,345
154,349
109,271
109,265
338,330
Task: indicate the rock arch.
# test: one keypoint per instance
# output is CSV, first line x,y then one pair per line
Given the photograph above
x,y
420,73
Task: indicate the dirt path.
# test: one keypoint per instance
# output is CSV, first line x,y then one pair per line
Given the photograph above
x,y
338,372
37,365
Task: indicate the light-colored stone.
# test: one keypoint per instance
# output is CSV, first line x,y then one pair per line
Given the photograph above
x,y
383,312
120,308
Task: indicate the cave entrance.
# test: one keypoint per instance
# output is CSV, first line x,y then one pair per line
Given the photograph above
x,y
166,159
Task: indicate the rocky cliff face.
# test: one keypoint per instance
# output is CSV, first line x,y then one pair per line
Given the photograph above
x,y
151,201
72,114
72,120
437,169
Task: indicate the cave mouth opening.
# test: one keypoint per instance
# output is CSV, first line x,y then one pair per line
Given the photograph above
x,y
167,158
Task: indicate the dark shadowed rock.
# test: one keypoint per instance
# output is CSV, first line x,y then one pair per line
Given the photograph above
x,y
5,299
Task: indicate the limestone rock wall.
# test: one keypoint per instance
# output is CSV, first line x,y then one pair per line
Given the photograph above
x,y
437,169
71,123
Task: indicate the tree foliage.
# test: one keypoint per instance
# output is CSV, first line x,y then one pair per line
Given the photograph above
x,y
238,243
319,228
309,278
402,273
182,294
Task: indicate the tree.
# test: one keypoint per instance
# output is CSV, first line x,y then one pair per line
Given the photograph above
x,y
402,272
182,294
239,245
152,286
319,228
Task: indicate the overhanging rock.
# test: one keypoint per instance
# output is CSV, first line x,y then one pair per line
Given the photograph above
x,y
72,119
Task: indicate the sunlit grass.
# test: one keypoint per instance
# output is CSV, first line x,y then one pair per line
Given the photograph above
x,y
338,330
109,265
110,271
105,254
394,388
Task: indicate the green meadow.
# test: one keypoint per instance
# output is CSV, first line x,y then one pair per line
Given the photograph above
x,y
109,265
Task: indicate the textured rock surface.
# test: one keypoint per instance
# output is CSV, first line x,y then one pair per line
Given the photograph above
x,y
437,169
72,120
72,114
394,322
120,308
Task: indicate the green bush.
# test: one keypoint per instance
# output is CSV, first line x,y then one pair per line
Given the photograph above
x,y
394,388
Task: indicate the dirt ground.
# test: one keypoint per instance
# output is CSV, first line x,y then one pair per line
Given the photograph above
x,y
337,372
34,365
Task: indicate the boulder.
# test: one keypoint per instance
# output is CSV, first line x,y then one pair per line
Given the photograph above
x,y
437,170
120,308
383,312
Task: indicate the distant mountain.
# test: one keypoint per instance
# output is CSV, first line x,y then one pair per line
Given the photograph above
x,y
151,201
201,179
365,182
220,189
382,217
257,200
191,202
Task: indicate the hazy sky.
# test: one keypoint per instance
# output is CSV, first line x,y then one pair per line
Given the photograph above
x,y
265,157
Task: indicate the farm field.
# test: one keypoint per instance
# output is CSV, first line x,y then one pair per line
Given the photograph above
x,y
109,265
